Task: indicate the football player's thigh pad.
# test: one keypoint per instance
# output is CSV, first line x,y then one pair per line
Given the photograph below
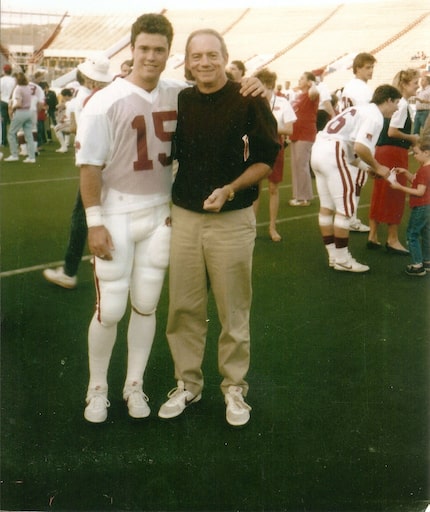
x,y
114,276
150,264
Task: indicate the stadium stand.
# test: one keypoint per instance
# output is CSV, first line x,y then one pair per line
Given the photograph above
x,y
288,39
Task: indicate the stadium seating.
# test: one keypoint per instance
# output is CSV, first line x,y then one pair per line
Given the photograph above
x,y
290,39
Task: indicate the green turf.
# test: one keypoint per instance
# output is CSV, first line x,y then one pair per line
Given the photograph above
x,y
338,384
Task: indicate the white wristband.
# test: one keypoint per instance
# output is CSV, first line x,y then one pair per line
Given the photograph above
x,y
94,216
363,166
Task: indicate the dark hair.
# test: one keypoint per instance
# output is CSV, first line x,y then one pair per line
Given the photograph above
x,y
266,77
240,65
67,93
361,59
384,93
310,76
152,24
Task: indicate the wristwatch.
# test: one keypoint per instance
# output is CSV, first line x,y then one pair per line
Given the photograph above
x,y
230,196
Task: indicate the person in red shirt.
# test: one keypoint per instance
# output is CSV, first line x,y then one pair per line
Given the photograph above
x,y
418,231
305,106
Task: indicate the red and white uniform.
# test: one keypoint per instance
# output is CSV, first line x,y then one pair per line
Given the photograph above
x,y
128,132
333,160
356,92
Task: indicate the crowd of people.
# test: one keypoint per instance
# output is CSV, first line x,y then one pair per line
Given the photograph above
x,y
140,217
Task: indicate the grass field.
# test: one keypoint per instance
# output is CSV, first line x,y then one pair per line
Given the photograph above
x,y
339,381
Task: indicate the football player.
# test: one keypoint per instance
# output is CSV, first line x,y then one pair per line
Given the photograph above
x,y
344,148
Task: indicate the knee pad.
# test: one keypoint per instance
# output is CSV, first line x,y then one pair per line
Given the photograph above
x,y
342,222
112,302
145,291
325,220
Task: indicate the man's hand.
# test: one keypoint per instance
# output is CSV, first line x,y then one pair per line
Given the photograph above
x,y
100,242
216,200
252,86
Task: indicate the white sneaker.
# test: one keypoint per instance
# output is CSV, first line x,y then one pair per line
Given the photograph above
x,y
237,412
97,405
137,401
61,150
358,226
12,158
350,265
29,160
179,399
58,277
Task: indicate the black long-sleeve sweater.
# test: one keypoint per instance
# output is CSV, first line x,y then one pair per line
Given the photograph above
x,y
210,144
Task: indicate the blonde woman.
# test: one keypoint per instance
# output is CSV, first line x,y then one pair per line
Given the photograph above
x,y
387,204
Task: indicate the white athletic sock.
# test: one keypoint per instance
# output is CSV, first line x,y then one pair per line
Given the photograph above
x,y
141,331
101,341
342,254
61,140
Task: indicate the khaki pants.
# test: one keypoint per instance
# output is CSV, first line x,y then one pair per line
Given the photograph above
x,y
210,251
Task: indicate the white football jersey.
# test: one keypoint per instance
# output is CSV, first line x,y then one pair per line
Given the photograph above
x,y
361,124
356,92
282,111
128,131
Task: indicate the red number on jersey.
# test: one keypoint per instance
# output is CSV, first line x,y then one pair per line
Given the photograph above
x,y
143,162
339,121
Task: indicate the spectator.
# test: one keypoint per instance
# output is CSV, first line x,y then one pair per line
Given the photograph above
x,y
21,118
7,85
237,70
285,117
288,92
51,102
418,231
325,106
125,69
422,103
387,204
62,128
305,107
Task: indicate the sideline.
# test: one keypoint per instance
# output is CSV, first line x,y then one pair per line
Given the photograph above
x,y
26,270
31,182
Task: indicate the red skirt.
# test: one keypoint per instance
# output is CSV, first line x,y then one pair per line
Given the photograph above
x,y
387,205
277,173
